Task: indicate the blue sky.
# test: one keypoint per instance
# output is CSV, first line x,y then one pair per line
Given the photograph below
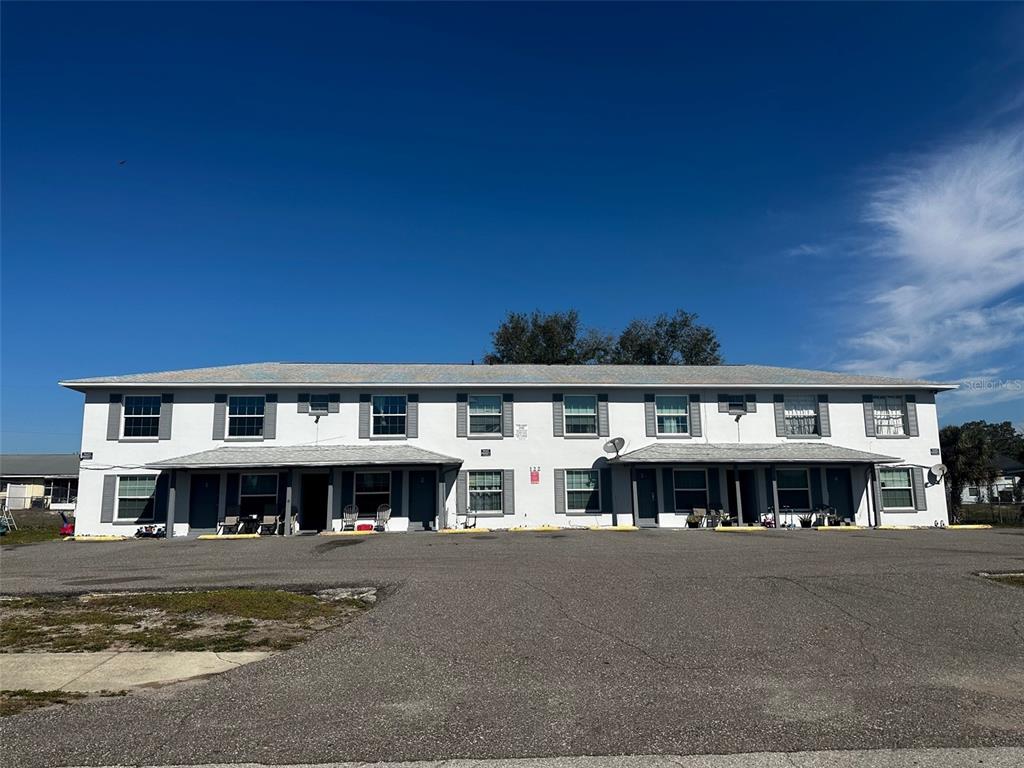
x,y
833,186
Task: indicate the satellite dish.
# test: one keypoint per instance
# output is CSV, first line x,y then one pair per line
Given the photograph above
x,y
614,445
939,471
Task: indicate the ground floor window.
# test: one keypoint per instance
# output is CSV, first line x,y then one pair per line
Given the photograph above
x,y
371,490
257,495
897,491
485,492
794,489
583,490
690,488
135,497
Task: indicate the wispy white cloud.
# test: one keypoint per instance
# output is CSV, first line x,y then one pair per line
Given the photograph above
x,y
806,249
946,264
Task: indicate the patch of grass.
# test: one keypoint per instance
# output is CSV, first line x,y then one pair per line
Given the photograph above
x,y
30,535
14,702
215,620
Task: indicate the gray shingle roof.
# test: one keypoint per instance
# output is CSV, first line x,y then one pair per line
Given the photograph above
x,y
305,456
39,465
420,374
750,453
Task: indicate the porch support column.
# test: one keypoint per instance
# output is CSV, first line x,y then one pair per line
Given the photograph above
x,y
329,524
288,504
171,502
636,507
775,493
723,484
739,494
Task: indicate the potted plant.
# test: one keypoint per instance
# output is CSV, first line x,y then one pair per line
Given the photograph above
x,y
806,518
692,521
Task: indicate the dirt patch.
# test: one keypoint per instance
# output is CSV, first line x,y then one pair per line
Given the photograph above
x,y
214,620
16,702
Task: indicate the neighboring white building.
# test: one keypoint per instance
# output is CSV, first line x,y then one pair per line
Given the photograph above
x,y
1000,490
510,445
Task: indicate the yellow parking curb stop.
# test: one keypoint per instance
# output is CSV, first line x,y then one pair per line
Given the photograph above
x,y
614,528
346,533
534,529
969,527
465,530
229,536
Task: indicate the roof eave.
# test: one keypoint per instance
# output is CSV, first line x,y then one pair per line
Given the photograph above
x,y
82,386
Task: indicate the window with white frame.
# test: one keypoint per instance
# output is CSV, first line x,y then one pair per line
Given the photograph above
x,y
136,497
319,403
690,489
889,415
389,413
897,488
141,415
794,489
583,490
673,414
257,493
580,414
801,415
245,415
485,492
484,414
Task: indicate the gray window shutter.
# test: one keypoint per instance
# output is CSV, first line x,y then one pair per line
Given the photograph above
x,y
412,415
751,403
917,478
606,490
824,422
114,418
461,415
166,411
869,415
462,493
559,491
650,414
303,402
558,415
508,427
695,425
508,492
108,500
334,402
220,416
602,416
270,417
779,401
364,416
910,409
879,506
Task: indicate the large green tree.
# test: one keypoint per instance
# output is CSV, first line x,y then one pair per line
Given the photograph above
x,y
969,456
559,338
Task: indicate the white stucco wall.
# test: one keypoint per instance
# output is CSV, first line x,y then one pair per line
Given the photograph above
x,y
193,425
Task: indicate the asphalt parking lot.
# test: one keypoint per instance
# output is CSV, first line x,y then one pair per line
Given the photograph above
x,y
569,643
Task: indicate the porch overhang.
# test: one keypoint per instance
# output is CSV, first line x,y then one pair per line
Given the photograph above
x,y
248,457
749,453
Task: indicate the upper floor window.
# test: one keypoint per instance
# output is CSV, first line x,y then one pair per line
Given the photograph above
x,y
389,414
794,488
672,413
485,491
582,490
135,497
889,415
802,415
690,488
141,416
319,403
484,414
245,416
897,487
580,414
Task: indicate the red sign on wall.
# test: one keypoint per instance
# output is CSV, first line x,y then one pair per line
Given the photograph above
x,y
534,475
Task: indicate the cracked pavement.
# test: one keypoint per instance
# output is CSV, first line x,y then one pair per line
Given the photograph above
x,y
571,643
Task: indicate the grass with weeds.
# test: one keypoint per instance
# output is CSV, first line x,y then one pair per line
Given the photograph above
x,y
30,535
215,620
14,702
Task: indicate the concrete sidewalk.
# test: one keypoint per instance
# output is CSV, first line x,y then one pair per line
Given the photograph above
x,y
113,670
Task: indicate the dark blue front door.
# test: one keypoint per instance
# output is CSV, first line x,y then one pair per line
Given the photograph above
x,y
203,500
422,496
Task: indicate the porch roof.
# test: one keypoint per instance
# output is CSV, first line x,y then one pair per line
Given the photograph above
x,y
241,457
749,453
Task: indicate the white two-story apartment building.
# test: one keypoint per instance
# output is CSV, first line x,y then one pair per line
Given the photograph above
x,y
506,445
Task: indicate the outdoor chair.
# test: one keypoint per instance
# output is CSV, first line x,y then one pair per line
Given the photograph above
x,y
349,517
383,515
229,525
